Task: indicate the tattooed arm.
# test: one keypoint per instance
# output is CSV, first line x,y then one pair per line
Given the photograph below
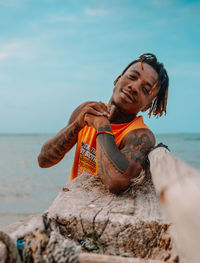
x,y
55,149
117,166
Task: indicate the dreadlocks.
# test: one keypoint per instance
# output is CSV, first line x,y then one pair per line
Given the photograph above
x,y
159,104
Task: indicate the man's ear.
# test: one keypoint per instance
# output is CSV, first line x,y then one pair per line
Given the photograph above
x,y
115,81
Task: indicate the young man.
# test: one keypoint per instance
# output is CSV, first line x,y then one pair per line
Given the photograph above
x,y
112,141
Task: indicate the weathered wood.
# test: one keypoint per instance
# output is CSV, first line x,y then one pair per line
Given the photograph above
x,y
18,230
96,258
24,227
178,186
3,252
129,224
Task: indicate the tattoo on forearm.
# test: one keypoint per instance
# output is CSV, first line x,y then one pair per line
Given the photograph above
x,y
108,156
103,169
111,151
55,150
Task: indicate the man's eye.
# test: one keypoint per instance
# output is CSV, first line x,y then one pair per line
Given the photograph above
x,y
145,90
132,77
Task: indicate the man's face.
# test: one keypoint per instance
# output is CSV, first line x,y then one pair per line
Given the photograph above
x,y
133,90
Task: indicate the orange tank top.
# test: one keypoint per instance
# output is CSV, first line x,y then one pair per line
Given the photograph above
x,y
85,155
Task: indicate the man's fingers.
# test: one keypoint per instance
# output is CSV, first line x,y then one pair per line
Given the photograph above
x,y
101,107
93,111
98,106
92,108
88,118
101,104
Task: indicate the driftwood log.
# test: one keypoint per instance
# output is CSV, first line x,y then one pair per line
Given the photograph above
x,y
96,258
178,187
131,224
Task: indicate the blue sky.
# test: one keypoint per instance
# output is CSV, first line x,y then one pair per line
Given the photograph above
x,y
57,54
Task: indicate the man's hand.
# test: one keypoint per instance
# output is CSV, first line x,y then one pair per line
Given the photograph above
x,y
92,114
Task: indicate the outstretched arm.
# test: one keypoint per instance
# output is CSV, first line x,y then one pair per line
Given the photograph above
x,y
55,149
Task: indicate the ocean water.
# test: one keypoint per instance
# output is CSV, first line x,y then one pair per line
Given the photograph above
x,y
26,189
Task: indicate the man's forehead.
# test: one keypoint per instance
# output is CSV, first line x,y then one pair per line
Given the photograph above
x,y
142,67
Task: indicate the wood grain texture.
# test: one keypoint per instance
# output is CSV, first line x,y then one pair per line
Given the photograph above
x,y
130,224
96,258
178,186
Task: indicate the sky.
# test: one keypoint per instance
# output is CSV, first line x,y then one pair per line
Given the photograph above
x,y
56,54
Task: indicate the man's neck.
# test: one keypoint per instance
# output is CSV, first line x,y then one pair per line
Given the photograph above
x,y
117,115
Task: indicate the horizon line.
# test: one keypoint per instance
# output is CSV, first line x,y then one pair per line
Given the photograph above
x,y
40,134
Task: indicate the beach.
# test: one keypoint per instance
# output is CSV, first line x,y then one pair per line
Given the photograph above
x,y
27,189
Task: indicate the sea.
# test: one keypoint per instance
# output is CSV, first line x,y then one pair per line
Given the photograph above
x,y
27,189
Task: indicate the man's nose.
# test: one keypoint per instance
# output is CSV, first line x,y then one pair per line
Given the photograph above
x,y
133,89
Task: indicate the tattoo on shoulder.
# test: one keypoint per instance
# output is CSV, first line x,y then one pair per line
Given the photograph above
x,y
137,144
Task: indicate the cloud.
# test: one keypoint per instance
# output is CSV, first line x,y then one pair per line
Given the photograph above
x,y
3,77
7,50
3,55
162,4
62,18
96,12
11,3
23,49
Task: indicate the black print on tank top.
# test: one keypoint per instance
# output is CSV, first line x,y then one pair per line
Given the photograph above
x,y
87,152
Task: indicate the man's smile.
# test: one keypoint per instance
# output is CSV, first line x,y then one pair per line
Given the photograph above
x,y
127,96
